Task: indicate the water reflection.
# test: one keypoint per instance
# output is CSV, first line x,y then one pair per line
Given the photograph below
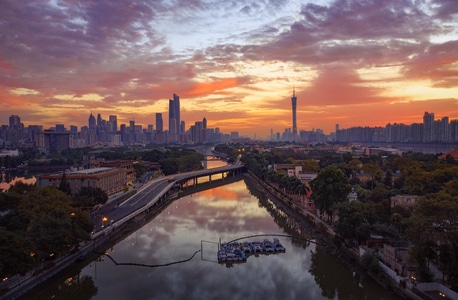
x,y
199,222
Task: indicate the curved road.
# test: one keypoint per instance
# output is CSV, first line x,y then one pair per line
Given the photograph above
x,y
111,212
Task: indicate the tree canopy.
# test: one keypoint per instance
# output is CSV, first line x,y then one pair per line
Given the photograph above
x,y
330,187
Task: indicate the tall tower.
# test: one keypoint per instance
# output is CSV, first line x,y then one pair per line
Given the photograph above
x,y
114,123
294,102
92,121
159,122
174,115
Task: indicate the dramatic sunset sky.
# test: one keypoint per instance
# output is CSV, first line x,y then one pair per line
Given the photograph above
x,y
234,62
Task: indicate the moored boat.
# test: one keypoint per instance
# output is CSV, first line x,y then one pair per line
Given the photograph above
x,y
256,247
278,247
268,247
246,247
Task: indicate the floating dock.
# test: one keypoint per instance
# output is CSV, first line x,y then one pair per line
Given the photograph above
x,y
235,252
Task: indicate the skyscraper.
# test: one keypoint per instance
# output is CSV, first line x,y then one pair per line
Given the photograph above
x,y
114,123
174,115
15,121
294,102
92,122
159,122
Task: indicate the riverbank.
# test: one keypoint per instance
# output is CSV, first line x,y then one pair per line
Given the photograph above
x,y
23,285
348,256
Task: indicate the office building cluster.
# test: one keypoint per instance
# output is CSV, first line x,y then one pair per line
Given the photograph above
x,y
430,131
102,132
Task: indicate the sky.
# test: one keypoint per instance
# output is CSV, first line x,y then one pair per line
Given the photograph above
x,y
234,62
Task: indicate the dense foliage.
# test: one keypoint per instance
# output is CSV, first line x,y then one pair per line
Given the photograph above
x,y
330,187
430,228
38,224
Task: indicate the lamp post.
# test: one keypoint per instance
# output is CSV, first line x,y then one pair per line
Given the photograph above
x,y
104,219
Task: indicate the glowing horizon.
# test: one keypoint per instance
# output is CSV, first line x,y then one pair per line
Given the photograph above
x,y
352,63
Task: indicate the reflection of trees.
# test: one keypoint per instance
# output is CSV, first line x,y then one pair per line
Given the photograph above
x,y
282,216
333,277
77,287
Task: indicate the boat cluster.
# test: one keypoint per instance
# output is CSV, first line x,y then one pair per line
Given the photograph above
x,y
238,252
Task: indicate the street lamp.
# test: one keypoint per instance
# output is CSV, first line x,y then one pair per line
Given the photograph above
x,y
104,219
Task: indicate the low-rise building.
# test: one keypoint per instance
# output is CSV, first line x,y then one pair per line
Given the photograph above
x,y
404,200
109,180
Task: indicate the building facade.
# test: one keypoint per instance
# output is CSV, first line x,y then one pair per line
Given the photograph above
x,y
109,180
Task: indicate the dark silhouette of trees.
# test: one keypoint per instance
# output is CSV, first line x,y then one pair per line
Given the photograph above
x,y
41,226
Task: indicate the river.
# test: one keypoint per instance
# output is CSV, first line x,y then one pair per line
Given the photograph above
x,y
174,257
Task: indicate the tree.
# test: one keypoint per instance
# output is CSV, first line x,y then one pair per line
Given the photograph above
x,y
64,185
17,253
53,225
432,226
310,165
331,186
89,196
374,171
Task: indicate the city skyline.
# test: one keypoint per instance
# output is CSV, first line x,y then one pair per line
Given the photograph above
x,y
352,63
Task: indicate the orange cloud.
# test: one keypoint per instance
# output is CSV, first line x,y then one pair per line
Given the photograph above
x,y
210,87
339,87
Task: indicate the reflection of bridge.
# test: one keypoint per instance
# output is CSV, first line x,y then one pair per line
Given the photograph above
x,y
154,193
112,216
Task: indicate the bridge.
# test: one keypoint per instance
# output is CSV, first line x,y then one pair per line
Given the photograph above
x,y
112,215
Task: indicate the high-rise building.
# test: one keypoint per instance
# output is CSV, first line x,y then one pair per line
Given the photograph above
x,y
60,128
174,115
114,123
92,122
443,133
294,103
159,122
428,127
15,121
99,120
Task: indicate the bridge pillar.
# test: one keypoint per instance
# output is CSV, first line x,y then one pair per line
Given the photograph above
x,y
210,178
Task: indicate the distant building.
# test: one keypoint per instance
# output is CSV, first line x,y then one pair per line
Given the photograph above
x,y
54,142
352,196
159,123
174,117
109,180
404,200
10,153
119,164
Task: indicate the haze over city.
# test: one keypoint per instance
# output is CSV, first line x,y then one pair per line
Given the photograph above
x,y
236,63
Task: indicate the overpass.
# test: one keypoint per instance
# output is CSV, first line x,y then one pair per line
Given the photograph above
x,y
113,215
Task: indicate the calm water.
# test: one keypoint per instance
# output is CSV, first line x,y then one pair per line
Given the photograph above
x,y
195,223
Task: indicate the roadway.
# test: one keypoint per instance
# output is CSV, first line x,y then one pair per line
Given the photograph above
x,y
151,192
